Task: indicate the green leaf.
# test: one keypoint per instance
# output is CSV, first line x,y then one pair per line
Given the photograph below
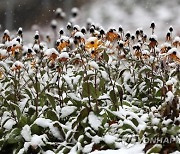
x,y
127,126
35,129
106,57
126,103
135,122
51,100
155,149
84,113
89,90
28,93
23,121
18,111
14,136
51,115
113,96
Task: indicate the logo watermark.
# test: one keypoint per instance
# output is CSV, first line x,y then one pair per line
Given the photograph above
x,y
132,139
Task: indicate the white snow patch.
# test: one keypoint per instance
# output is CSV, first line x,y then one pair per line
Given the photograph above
x,y
93,64
67,110
64,55
38,140
155,121
49,152
94,121
26,133
9,124
137,148
169,97
88,148
43,122
109,139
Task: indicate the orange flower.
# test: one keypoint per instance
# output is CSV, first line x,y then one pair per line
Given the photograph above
x,y
112,35
52,54
174,54
17,66
93,43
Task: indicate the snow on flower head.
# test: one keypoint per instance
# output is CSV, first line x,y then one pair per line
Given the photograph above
x,y
62,43
79,35
7,32
3,54
92,42
112,35
52,54
17,66
64,56
76,28
174,54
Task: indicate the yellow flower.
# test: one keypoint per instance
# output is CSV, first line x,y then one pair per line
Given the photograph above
x,y
92,43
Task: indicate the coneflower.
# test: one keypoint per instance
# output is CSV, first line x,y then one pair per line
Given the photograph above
x,y
152,26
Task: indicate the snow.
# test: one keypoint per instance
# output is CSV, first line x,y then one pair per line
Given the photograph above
x,y
93,64
169,82
17,64
67,110
55,132
109,139
26,133
43,122
74,10
174,50
65,38
145,52
104,75
22,151
137,148
167,122
176,152
36,47
38,140
54,22
49,152
79,35
96,139
155,121
94,121
50,51
169,96
68,80
3,52
88,148
176,39
7,32
153,37
76,27
74,96
9,124
64,55
89,40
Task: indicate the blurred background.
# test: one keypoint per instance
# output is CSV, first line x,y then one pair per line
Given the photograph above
x,y
131,14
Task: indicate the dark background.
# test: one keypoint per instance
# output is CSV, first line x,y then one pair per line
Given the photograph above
x,y
25,13
128,13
